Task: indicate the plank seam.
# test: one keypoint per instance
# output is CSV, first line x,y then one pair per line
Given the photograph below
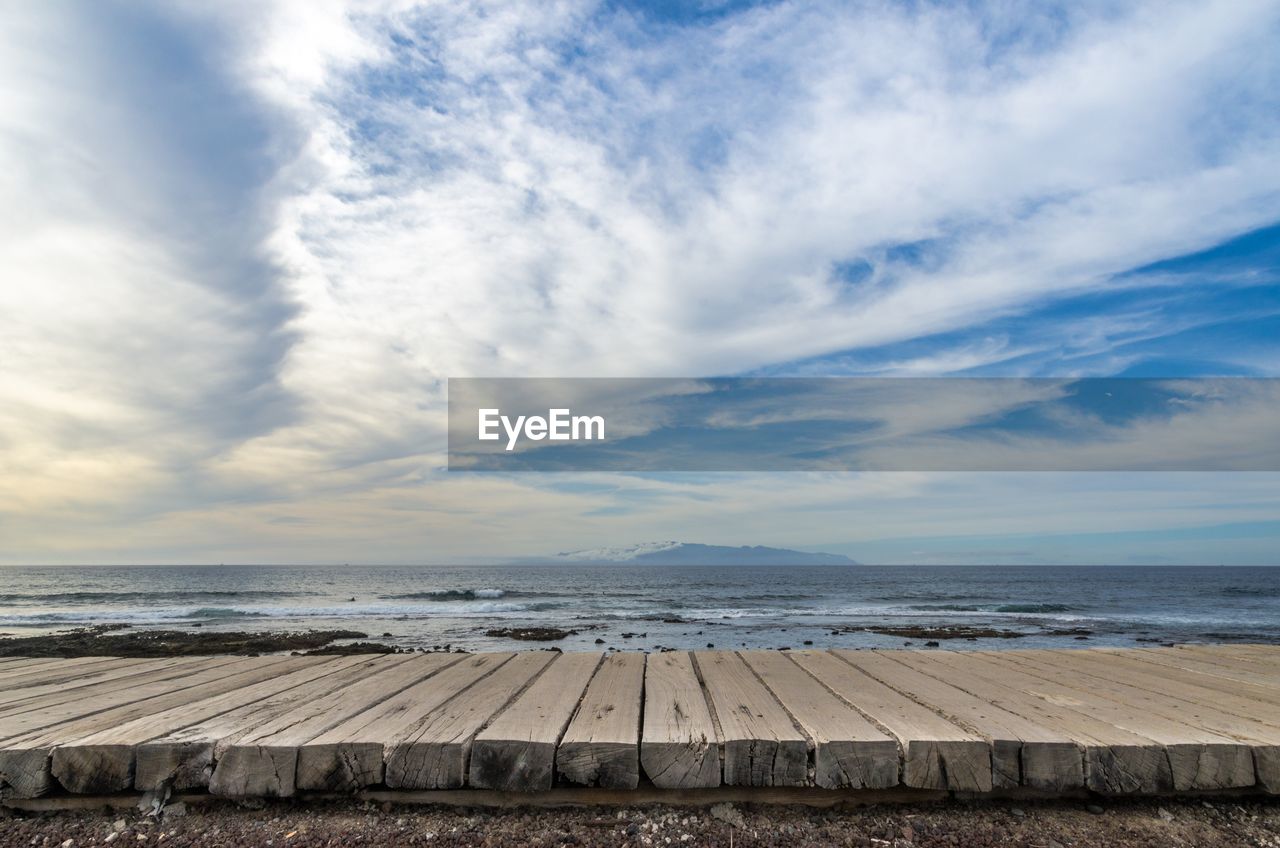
x,y
937,710
902,752
811,744
711,709
91,714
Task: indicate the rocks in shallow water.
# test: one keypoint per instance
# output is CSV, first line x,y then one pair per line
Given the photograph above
x,y
530,634
349,648
116,641
931,644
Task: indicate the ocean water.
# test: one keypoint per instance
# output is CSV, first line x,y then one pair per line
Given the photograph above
x,y
664,606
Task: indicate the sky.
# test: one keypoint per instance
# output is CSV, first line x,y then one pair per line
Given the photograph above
x,y
245,245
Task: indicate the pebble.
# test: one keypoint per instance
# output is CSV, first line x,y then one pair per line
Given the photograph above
x,y
120,825
1095,809
111,837
727,814
1017,813
1164,814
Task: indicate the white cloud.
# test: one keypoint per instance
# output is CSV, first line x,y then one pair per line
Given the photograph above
x,y
497,189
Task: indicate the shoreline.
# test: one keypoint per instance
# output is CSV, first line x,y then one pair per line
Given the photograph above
x,y
122,640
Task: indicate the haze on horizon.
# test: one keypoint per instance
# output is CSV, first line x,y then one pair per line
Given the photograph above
x,y
246,244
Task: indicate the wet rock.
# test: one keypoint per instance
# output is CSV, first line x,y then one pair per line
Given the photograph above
x,y
119,641
530,634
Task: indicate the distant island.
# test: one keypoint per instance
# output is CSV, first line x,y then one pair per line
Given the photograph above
x,y
689,553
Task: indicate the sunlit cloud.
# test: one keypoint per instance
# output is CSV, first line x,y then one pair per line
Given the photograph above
x,y
246,245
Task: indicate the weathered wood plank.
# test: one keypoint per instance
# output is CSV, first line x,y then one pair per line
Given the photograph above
x,y
435,754
263,760
103,761
1246,700
1205,664
849,750
37,672
44,707
937,754
184,758
349,755
1023,752
601,745
1247,655
1197,758
762,746
1252,723
517,751
1117,761
25,759
55,709
78,684
679,748
23,665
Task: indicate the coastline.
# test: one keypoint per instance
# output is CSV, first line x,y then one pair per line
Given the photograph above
x,y
656,608
122,640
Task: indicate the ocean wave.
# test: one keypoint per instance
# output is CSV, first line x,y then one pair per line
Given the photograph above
x,y
135,596
174,615
1035,608
1252,591
127,616
1024,609
448,595
945,608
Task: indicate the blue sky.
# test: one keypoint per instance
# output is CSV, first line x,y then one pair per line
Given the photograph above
x,y
246,244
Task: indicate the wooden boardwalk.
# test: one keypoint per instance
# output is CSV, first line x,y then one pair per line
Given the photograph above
x,y
1109,720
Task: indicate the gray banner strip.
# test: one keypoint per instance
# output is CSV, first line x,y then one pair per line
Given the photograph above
x,y
864,424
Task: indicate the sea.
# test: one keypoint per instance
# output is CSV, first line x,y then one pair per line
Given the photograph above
x,y
651,607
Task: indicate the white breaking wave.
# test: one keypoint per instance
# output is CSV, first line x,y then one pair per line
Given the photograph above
x,y
344,611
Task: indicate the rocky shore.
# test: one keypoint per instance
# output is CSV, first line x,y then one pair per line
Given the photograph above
x,y
123,641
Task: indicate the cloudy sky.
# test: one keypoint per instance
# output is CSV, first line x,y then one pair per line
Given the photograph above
x,y
244,245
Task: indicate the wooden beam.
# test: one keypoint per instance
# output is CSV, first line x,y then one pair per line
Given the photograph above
x,y
1197,758
679,748
349,756
849,750
601,746
1023,752
938,754
762,747
262,761
517,751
